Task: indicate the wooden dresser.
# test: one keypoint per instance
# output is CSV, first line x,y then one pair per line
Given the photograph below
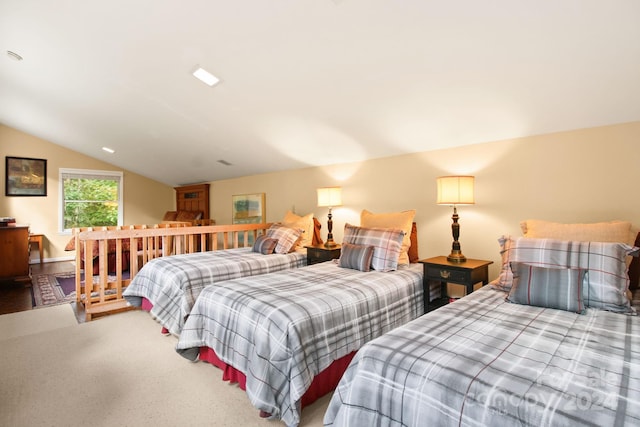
x,y
14,253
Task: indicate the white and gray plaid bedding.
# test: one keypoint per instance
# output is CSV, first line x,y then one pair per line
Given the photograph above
x,y
282,329
482,361
173,283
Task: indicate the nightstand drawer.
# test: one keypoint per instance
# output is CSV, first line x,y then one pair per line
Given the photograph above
x,y
316,254
443,273
440,269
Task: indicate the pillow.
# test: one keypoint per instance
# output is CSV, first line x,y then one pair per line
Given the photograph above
x,y
286,237
387,243
400,220
264,245
606,261
356,257
188,215
170,216
559,288
614,231
71,245
304,223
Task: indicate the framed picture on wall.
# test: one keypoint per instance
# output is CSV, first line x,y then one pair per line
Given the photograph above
x,y
248,209
25,176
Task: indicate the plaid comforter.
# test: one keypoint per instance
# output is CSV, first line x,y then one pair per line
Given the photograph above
x,y
282,329
173,283
484,362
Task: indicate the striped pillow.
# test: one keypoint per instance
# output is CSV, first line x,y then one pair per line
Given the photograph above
x,y
286,237
264,245
400,220
356,257
607,282
559,288
386,242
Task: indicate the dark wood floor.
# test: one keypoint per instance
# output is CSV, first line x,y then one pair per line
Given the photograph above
x,y
16,296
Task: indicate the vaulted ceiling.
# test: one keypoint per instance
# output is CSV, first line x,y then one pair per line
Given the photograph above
x,y
309,82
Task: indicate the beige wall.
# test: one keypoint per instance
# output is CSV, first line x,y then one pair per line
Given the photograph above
x,y
578,176
145,200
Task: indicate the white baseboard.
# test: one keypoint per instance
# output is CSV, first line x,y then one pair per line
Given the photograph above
x,y
58,259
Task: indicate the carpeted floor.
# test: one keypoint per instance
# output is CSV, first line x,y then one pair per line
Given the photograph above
x,y
114,371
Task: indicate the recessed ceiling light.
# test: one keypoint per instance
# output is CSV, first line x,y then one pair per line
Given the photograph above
x,y
205,76
109,150
14,56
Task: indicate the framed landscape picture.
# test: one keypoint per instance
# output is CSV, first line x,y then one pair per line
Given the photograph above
x,y
248,209
25,176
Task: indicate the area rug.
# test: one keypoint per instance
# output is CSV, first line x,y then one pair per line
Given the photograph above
x,y
48,291
60,288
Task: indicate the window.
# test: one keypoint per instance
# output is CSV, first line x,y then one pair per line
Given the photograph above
x,y
90,198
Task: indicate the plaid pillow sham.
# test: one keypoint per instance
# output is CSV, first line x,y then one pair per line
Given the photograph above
x,y
356,257
386,242
264,245
607,280
287,237
399,220
559,288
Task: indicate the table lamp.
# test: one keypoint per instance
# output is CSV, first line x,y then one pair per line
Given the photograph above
x,y
330,197
453,191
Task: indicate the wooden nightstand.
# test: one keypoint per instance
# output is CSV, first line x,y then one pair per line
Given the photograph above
x,y
318,253
464,273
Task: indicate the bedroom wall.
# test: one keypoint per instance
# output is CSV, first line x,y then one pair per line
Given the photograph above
x,y
577,176
145,200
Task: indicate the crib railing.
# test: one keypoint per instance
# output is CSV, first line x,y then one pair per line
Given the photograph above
x,y
102,293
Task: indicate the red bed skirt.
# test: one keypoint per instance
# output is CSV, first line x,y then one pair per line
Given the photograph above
x,y
147,306
323,383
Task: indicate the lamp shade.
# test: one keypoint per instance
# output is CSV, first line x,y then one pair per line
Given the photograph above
x,y
455,190
330,196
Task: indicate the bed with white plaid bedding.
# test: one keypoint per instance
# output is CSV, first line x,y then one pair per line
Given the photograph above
x,y
282,329
173,283
482,361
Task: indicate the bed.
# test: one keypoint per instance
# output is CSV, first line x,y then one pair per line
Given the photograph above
x,y
280,330
167,287
287,337
554,340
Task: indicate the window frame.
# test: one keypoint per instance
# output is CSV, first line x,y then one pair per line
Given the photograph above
x,y
88,173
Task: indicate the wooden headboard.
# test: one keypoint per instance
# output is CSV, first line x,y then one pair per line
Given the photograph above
x,y
634,268
317,237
